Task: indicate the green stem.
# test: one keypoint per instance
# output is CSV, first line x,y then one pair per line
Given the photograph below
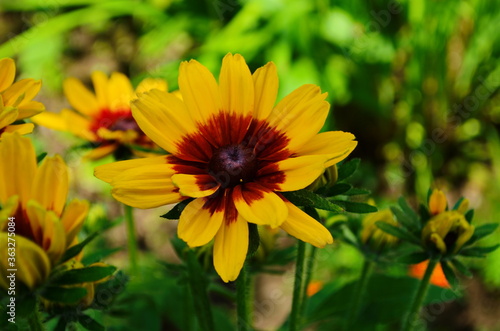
x,y
308,275
131,239
298,287
420,296
34,320
359,293
242,300
199,292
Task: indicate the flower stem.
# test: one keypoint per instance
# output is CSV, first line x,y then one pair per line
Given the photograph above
x,y
359,293
298,287
199,293
308,275
131,238
242,300
34,320
420,296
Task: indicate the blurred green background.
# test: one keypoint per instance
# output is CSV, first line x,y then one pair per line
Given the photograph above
x,y
416,80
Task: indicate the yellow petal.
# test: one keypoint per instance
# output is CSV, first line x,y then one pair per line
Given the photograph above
x,y
29,109
20,128
51,121
80,97
266,84
9,209
17,166
337,145
305,228
195,186
259,205
301,114
33,265
437,202
236,87
120,91
78,125
100,152
100,82
230,249
163,118
21,92
199,90
7,73
198,225
149,84
8,115
146,187
298,172
50,186
109,171
72,218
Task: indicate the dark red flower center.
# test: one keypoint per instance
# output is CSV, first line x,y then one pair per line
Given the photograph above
x,y
232,165
121,120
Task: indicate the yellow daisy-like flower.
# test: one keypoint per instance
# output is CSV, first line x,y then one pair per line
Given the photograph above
x,y
103,118
34,198
16,99
234,151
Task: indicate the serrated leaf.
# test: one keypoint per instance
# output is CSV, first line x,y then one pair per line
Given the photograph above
x,y
63,294
175,213
449,274
84,275
347,169
478,251
397,232
305,198
461,267
413,258
355,207
89,323
75,250
338,189
482,231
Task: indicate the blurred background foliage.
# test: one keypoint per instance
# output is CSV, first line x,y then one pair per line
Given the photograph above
x,y
416,80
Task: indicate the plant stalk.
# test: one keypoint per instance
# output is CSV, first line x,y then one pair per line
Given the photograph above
x,y
359,293
242,300
131,239
34,320
298,288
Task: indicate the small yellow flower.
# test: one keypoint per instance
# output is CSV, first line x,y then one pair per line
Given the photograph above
x,y
35,196
447,230
16,99
103,118
375,237
234,151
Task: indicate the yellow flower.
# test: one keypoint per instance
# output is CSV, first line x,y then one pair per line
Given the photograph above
x,y
447,230
372,235
16,99
234,152
103,118
35,196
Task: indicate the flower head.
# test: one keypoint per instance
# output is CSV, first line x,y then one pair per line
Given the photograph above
x,y
33,201
374,237
103,118
233,151
16,99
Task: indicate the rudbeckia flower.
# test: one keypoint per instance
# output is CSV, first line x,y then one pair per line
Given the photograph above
x,y
233,151
103,118
16,99
34,198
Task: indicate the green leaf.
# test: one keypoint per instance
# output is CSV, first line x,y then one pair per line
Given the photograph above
x,y
478,251
409,212
482,231
461,267
89,323
449,274
40,157
397,232
305,198
254,239
413,258
99,255
469,215
424,213
337,189
355,207
84,275
75,250
457,204
402,218
175,213
357,191
347,169
63,294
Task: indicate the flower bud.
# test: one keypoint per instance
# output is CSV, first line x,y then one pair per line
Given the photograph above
x,y
373,236
326,180
447,232
437,202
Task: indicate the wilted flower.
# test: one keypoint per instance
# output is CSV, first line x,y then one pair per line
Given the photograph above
x,y
234,152
16,99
